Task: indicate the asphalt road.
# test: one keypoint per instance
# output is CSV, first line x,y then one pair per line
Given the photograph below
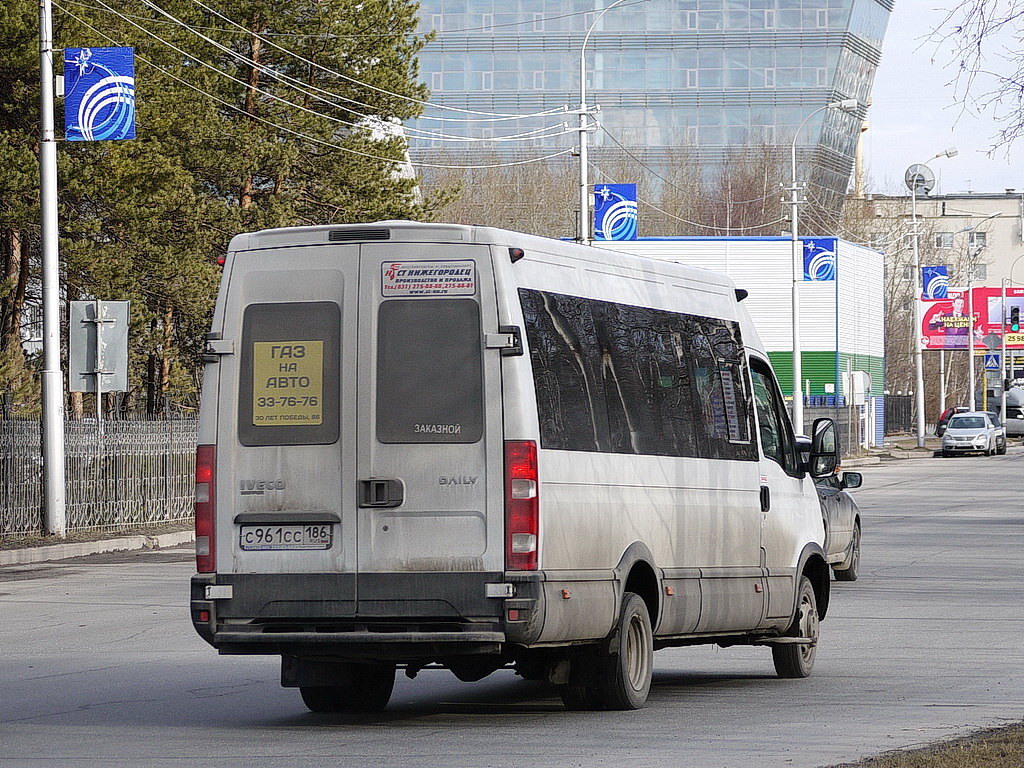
x,y
99,665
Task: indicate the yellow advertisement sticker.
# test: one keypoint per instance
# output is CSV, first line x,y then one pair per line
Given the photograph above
x,y
287,383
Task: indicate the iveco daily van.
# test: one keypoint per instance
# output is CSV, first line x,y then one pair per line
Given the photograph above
x,y
428,444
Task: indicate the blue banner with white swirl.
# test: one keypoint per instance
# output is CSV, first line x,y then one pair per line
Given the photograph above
x,y
936,283
615,212
99,94
819,258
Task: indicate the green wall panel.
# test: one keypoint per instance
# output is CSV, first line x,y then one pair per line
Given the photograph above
x,y
820,368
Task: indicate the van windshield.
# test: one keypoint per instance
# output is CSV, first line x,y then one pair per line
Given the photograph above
x,y
429,371
967,422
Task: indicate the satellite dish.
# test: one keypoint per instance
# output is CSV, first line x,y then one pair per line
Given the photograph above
x,y
920,179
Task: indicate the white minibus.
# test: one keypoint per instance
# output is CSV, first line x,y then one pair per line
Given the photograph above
x,y
439,445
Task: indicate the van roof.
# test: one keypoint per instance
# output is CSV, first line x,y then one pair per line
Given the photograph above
x,y
420,232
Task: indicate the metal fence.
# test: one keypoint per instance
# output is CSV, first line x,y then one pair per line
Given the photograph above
x,y
139,472
899,414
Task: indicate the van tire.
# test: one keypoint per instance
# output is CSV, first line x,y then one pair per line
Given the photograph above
x,y
625,680
850,572
791,660
369,690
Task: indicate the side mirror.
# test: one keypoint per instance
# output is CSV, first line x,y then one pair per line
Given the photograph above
x,y
803,449
852,480
824,459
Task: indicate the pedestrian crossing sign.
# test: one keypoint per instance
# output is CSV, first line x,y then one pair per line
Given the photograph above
x,y
992,362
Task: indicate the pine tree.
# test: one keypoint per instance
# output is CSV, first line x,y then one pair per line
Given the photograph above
x,y
225,144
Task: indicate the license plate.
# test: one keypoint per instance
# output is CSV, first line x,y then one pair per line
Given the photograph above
x,y
255,538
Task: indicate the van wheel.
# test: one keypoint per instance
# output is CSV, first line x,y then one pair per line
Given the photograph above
x,y
368,690
793,660
625,681
1002,450
850,572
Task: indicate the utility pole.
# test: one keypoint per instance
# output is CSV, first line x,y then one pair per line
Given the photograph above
x,y
918,293
585,129
796,255
52,378
1002,367
972,393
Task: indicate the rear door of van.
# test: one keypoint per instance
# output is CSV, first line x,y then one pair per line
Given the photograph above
x,y
286,419
357,421
429,431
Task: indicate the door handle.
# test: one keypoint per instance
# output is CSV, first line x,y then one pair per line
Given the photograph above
x,y
766,498
378,492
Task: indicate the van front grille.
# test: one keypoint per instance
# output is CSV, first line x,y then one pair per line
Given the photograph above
x,y
350,235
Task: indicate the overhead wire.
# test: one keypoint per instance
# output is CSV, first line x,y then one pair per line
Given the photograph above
x,y
336,36
649,204
670,183
299,134
349,78
381,122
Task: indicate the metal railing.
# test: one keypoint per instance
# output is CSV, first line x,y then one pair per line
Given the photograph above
x,y
139,472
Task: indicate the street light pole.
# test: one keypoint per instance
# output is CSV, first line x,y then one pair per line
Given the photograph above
x,y
972,393
55,518
849,106
1002,368
918,293
1007,369
916,298
585,128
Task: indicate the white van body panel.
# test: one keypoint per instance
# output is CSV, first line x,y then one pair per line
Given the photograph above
x,y
721,566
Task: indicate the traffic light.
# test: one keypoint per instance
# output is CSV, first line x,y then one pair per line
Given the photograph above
x,y
1015,319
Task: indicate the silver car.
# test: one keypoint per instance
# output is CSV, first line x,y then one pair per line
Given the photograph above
x,y
973,432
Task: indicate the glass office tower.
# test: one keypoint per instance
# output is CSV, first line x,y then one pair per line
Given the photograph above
x,y
706,76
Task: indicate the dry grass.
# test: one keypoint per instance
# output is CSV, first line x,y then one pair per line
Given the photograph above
x,y
996,748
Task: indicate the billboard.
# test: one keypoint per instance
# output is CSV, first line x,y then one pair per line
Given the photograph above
x,y
615,212
99,93
945,323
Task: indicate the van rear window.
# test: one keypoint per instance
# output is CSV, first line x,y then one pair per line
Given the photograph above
x,y
288,385
429,371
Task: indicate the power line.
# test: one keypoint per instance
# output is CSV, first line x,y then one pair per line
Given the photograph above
x,y
356,36
687,221
384,124
542,19
369,86
671,184
301,135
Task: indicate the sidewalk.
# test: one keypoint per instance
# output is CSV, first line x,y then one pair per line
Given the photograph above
x,y
43,553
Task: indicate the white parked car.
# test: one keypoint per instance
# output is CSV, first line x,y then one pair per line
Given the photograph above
x,y
973,432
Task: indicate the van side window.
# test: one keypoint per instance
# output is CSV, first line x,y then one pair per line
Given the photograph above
x,y
777,442
617,378
429,371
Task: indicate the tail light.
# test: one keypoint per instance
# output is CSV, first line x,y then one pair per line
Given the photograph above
x,y
205,508
521,505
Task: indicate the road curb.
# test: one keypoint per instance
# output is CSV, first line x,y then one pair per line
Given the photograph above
x,y
52,552
862,462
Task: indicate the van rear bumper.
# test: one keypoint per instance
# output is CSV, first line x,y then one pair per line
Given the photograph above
x,y
384,615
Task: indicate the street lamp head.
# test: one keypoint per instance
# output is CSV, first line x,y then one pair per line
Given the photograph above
x,y
951,152
849,106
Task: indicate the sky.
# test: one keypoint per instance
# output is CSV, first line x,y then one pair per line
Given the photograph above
x,y
917,112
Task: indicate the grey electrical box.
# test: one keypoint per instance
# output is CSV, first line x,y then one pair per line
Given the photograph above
x,y
98,346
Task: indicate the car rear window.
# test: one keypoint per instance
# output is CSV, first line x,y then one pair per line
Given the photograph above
x,y
288,390
967,422
429,371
